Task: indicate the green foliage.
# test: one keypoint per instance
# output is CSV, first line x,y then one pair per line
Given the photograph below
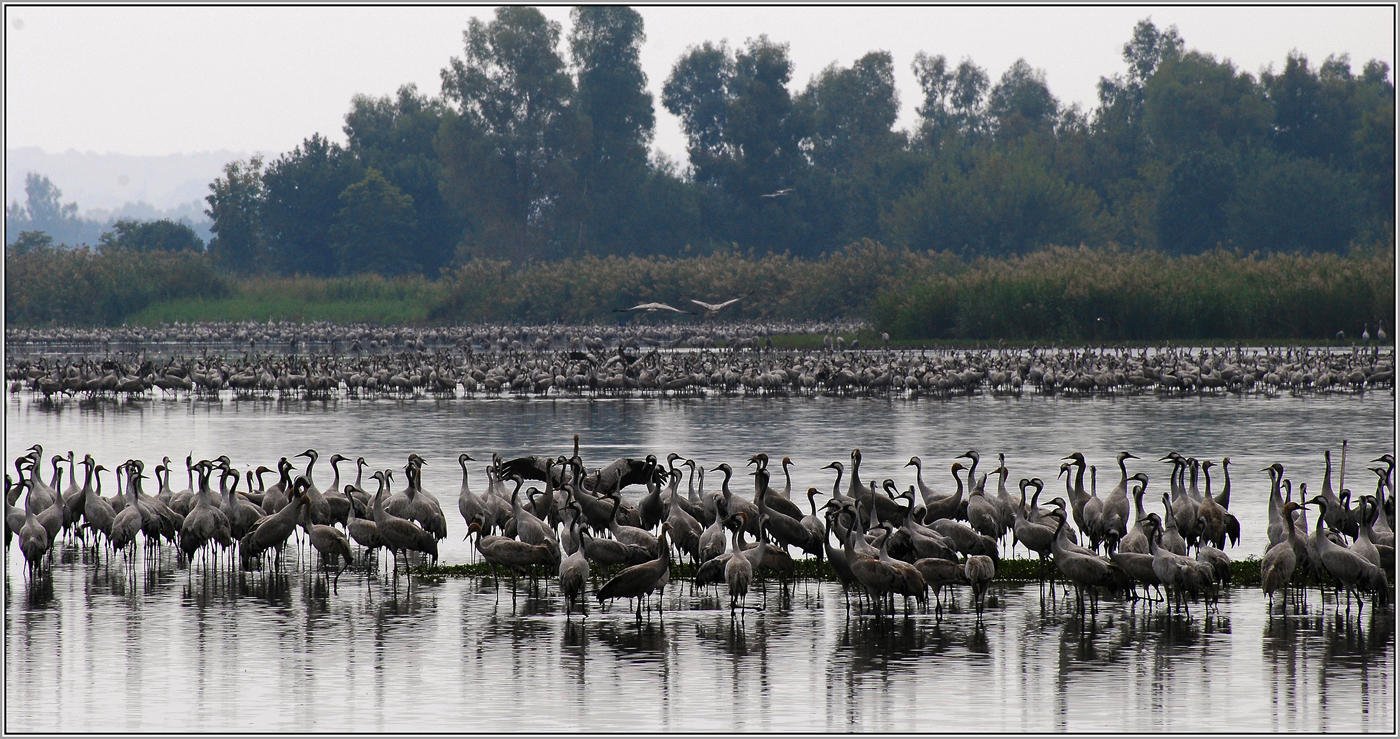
x,y
30,240
1021,102
587,289
527,158
235,200
362,298
398,137
616,126
374,228
83,287
1004,203
507,149
299,202
1095,295
150,236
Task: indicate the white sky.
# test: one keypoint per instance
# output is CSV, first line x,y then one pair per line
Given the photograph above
x,y
162,80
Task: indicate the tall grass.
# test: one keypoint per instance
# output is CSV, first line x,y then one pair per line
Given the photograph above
x,y
588,289
1055,294
1083,294
361,298
85,287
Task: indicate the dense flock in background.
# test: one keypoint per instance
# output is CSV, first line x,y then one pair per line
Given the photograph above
x,y
322,360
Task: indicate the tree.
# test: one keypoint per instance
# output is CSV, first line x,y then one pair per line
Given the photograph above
x,y
301,191
1195,103
29,241
1284,203
235,207
1007,202
616,121
1021,102
1313,113
506,150
43,210
763,131
1191,214
1119,143
698,93
397,136
373,231
852,111
163,235
953,100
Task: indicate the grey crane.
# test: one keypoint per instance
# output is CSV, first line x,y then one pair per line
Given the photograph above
x,y
979,570
738,571
641,580
1276,571
272,531
573,574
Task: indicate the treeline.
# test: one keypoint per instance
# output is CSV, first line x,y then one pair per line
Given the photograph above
x,y
1055,294
537,152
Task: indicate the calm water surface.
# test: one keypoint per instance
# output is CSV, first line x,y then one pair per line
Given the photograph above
x,y
174,649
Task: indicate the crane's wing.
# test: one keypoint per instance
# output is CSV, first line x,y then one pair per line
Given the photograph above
x,y
706,306
529,468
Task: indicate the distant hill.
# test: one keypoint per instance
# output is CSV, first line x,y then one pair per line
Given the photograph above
x,y
109,181
111,186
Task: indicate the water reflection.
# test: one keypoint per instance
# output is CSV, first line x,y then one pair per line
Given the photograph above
x,y
801,664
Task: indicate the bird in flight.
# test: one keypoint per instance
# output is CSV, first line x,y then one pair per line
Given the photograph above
x,y
712,308
651,308
778,194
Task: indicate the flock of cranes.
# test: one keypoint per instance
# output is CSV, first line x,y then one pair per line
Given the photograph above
x,y
834,369
880,541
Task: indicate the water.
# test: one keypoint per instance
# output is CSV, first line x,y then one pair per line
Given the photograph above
x,y
176,650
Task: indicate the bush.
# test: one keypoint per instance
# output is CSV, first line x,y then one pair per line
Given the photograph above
x,y
81,287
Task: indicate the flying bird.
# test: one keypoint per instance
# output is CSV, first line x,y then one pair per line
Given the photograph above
x,y
651,308
713,308
778,194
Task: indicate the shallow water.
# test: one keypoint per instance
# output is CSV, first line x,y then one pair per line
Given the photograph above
x,y
180,650
103,654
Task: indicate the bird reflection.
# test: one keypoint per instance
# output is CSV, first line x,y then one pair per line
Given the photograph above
x,y
644,640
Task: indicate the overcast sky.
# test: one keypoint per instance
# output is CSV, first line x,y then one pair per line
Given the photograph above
x,y
162,80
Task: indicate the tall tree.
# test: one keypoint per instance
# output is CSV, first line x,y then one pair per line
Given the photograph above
x,y
1196,103
397,136
764,131
301,196
697,91
506,150
235,207
952,99
617,123
1021,102
374,228
44,210
852,111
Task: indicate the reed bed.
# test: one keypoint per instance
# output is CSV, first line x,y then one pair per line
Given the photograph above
x,y
1097,295
1056,294
360,298
81,287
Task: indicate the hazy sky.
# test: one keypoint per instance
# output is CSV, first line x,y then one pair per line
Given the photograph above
x,y
161,80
